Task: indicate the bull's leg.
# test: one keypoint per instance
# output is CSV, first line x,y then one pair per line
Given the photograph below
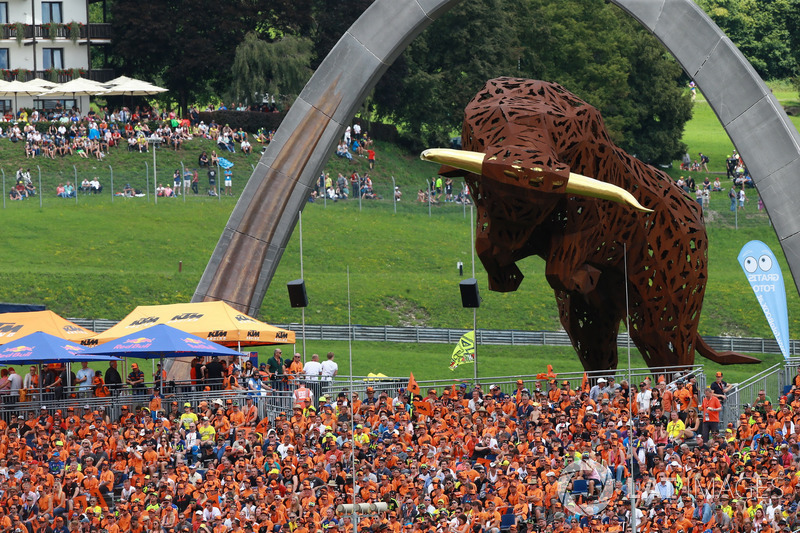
x,y
592,330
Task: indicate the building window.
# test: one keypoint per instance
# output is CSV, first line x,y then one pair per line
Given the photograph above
x,y
51,12
5,107
52,58
4,59
3,12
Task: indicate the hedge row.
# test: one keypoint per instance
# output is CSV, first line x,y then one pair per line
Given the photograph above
x,y
250,121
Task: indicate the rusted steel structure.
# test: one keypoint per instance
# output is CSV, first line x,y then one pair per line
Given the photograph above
x,y
548,181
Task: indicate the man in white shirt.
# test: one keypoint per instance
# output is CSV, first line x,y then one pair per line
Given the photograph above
x,y
313,368
210,512
664,488
329,368
16,384
83,378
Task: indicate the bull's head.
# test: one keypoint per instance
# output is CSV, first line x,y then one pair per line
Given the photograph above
x,y
501,165
528,147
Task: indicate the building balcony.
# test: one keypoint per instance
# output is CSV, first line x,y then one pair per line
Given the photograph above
x,y
97,33
59,75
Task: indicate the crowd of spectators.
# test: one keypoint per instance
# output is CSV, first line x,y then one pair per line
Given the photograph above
x,y
23,187
356,143
94,135
460,459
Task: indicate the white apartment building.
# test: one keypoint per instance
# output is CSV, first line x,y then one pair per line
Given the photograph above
x,y
49,40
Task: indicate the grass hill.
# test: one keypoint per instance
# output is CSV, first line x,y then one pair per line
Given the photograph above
x,y
97,259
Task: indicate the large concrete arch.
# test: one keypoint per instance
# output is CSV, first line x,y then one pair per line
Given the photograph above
x,y
262,222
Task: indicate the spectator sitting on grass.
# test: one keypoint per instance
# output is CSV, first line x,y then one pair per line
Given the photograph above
x,y
226,142
342,151
246,148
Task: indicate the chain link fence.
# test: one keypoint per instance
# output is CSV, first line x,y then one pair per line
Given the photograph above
x,y
138,183
143,179
418,335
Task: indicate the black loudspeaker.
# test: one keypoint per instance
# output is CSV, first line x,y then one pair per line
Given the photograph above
x,y
469,293
297,293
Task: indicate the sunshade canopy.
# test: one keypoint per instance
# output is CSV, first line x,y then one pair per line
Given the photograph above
x,y
16,87
159,342
16,325
39,347
131,87
75,87
214,321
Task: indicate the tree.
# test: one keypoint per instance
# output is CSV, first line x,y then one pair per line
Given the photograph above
x,y
445,66
330,21
280,67
761,30
187,45
590,47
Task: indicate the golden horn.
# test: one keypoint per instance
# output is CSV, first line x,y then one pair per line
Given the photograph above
x,y
577,184
469,161
584,186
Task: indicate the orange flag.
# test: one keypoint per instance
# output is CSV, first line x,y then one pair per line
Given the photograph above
x,y
413,388
423,408
585,383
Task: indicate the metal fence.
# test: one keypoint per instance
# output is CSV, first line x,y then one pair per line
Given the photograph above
x,y
269,403
145,178
130,183
774,381
487,337
508,384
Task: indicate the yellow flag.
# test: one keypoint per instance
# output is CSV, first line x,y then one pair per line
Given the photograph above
x,y
464,351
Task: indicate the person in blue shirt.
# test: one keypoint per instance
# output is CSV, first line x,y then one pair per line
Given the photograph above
x,y
56,465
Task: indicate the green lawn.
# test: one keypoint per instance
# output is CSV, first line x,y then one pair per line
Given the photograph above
x,y
705,134
97,259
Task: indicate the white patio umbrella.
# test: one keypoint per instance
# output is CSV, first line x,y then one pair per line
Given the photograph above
x,y
16,87
44,85
132,87
117,81
75,87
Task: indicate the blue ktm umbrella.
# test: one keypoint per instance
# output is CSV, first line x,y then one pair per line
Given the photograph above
x,y
159,342
40,347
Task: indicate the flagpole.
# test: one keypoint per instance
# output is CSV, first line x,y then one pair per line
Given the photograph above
x,y
474,309
630,392
475,332
352,414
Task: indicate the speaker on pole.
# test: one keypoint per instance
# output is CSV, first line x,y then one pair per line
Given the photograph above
x,y
297,293
470,297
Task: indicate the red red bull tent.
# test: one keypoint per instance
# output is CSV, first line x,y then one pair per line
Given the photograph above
x,y
214,321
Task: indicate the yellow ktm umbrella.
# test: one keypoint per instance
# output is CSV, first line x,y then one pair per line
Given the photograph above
x,y
16,325
215,321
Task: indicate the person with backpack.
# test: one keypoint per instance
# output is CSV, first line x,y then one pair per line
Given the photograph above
x,y
703,161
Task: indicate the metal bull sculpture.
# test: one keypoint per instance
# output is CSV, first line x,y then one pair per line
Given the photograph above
x,y
528,149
